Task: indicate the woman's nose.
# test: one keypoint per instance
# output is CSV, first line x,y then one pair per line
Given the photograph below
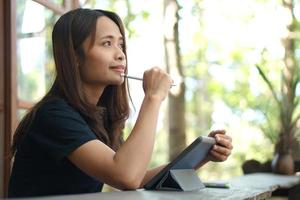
x,y
120,55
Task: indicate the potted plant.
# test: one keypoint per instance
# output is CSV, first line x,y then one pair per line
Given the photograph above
x,y
287,103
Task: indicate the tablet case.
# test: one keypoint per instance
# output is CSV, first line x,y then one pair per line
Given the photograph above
x,y
180,175
180,180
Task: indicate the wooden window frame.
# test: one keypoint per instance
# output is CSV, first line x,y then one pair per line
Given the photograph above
x,y
9,102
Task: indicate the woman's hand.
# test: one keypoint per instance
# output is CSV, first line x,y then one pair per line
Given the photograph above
x,y
156,83
222,149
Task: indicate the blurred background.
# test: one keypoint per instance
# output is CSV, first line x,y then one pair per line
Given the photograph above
x,y
235,64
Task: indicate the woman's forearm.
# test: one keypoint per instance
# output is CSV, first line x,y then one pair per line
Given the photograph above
x,y
151,173
135,154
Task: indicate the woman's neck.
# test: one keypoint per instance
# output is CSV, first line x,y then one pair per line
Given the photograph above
x,y
93,92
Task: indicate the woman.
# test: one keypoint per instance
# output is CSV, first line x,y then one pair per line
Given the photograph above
x,y
70,142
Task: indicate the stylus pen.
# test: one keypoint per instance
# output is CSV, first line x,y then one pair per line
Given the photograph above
x,y
137,78
216,185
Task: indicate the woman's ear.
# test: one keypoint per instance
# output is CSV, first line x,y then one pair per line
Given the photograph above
x,y
79,56
79,59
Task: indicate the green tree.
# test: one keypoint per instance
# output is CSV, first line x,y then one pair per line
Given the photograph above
x,y
176,108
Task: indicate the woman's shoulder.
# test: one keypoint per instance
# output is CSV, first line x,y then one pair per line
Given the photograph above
x,y
54,102
54,106
58,113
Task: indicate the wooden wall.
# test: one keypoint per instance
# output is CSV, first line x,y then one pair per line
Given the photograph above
x,y
8,87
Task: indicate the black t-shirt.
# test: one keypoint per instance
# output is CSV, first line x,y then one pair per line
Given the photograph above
x,y
41,166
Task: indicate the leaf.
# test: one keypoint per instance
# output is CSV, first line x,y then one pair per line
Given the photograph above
x,y
268,82
145,15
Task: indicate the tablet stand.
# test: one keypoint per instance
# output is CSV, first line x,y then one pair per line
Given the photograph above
x,y
180,180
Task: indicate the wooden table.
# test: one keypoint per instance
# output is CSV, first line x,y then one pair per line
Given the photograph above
x,y
264,182
251,186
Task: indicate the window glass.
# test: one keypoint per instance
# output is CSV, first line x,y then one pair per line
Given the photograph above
x,y
35,64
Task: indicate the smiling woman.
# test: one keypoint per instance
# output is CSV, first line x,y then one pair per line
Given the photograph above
x,y
71,141
58,144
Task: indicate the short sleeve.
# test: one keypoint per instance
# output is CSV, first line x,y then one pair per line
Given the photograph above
x,y
59,129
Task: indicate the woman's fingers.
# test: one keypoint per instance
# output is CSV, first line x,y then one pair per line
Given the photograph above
x,y
217,156
156,82
215,132
222,150
224,140
223,136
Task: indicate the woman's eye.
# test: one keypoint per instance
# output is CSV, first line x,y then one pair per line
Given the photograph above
x,y
107,43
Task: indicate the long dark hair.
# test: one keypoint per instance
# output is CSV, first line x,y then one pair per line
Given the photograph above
x,y
107,119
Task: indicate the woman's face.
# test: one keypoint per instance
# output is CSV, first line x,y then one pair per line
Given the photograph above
x,y
104,60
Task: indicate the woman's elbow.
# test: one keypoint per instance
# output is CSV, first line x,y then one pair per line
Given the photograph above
x,y
131,182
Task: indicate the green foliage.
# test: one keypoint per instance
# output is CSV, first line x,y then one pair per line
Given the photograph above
x,y
240,87
131,15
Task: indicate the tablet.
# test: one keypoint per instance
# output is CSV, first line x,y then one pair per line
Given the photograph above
x,y
189,158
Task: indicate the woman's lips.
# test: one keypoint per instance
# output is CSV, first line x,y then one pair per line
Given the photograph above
x,y
119,68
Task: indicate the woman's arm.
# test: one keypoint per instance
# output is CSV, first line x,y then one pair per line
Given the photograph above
x,y
151,173
126,168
